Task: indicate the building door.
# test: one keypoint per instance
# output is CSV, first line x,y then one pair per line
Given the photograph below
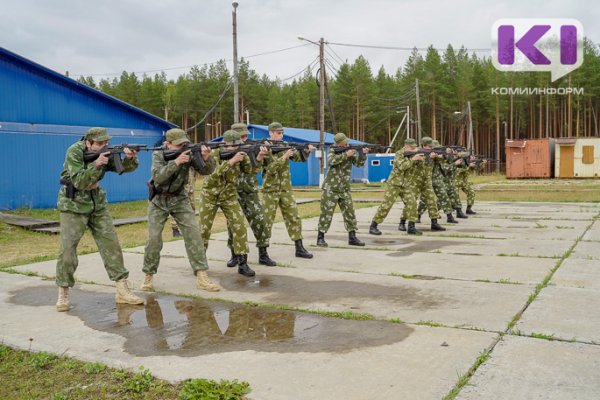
x,y
567,161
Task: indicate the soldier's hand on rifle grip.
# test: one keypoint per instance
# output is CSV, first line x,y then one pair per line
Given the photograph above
x,y
205,150
288,153
311,147
183,158
433,155
102,159
129,153
350,153
264,150
417,157
237,158
365,150
458,162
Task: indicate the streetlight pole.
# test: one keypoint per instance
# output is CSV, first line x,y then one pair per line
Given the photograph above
x,y
321,45
236,94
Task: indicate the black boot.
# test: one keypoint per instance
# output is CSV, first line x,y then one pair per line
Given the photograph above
x,y
176,232
402,225
301,251
412,230
243,268
450,219
321,239
233,261
264,259
435,226
460,214
373,229
353,240
470,210
419,219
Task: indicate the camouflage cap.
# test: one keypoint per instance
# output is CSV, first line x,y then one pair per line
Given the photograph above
x,y
241,128
435,143
176,136
427,141
340,138
231,137
97,135
410,142
275,126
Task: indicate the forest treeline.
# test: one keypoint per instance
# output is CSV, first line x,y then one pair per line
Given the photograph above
x,y
369,105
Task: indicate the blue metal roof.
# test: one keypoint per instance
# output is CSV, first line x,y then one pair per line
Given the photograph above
x,y
32,93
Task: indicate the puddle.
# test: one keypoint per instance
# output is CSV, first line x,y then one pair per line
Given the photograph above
x,y
279,289
168,325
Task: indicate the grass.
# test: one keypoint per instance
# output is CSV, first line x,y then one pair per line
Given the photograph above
x,y
20,246
464,378
29,375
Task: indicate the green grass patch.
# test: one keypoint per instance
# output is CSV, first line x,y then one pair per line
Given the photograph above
x,y
30,375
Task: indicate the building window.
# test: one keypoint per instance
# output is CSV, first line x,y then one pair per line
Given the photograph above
x,y
375,163
392,162
588,154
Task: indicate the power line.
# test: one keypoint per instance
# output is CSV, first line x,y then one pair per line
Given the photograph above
x,y
335,54
190,66
366,46
229,82
311,65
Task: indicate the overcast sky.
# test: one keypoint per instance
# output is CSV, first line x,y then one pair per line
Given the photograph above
x,y
105,37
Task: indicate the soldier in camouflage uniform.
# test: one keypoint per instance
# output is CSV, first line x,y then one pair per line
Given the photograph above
x,y
401,182
247,190
439,186
189,189
451,174
336,190
220,191
425,191
168,180
82,203
277,190
463,183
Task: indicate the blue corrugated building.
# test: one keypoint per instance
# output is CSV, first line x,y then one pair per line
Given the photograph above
x,y
304,173
42,113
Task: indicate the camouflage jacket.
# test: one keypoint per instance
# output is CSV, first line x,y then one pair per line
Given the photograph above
x,y
224,179
248,183
405,171
276,172
83,175
169,177
339,172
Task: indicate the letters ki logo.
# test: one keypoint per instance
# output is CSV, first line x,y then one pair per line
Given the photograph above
x,y
554,45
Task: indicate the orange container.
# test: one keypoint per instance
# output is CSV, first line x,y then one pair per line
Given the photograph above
x,y
529,158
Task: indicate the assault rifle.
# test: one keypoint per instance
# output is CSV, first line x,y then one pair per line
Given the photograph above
x,y
195,151
358,148
115,154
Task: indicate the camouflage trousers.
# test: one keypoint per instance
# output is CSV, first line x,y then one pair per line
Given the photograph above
x,y
72,228
289,210
441,192
453,192
229,204
329,199
254,212
189,189
463,183
428,200
408,195
180,209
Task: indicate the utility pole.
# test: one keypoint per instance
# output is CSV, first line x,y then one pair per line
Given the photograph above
x,y
321,112
470,138
418,113
236,94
